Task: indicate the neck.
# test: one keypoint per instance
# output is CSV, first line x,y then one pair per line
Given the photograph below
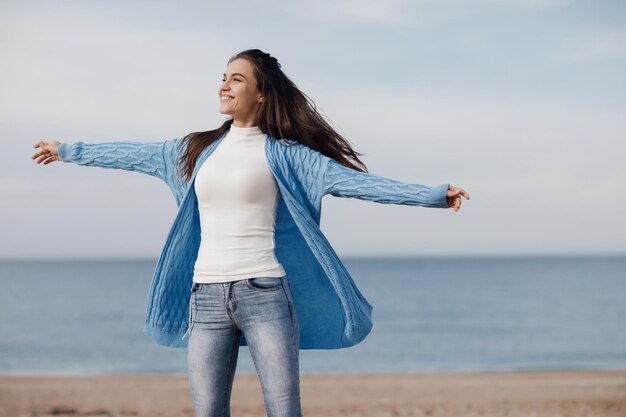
x,y
247,131
244,123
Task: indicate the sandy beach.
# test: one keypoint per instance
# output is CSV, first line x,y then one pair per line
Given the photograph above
x,y
528,394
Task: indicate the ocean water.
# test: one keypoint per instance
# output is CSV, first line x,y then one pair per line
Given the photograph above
x,y
430,314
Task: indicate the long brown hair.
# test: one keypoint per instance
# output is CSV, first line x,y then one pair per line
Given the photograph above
x,y
286,113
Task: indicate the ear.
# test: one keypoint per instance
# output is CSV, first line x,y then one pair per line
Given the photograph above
x,y
260,99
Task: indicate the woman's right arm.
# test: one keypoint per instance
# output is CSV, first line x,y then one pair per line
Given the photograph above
x,y
152,158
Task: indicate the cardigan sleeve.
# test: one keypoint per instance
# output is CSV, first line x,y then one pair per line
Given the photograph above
x,y
152,158
341,181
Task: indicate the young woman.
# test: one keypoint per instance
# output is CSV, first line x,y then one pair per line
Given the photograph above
x,y
245,262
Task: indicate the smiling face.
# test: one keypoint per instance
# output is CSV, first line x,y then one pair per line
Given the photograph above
x,y
239,97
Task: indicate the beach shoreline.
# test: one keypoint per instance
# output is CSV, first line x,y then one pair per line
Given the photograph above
x,y
496,393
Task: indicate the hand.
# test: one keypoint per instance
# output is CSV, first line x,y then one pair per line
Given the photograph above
x,y
48,152
454,197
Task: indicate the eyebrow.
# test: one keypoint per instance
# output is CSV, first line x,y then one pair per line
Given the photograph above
x,y
236,73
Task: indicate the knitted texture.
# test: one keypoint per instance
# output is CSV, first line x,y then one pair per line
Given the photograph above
x,y
146,158
331,310
341,181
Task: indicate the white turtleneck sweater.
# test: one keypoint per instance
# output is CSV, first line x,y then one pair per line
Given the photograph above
x,y
237,198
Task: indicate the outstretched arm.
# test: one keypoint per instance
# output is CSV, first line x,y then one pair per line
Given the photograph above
x,y
158,159
341,181
146,158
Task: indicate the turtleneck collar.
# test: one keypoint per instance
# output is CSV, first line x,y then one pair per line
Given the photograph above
x,y
247,131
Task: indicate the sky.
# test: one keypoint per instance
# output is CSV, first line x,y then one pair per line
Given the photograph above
x,y
519,102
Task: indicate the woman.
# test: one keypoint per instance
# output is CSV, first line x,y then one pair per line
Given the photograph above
x,y
246,241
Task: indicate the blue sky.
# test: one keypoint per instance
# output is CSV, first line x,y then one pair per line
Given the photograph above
x,y
520,102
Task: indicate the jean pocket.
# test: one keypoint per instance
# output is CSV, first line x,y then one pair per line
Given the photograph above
x,y
264,283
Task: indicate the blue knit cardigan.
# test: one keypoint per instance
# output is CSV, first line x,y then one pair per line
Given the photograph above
x,y
332,311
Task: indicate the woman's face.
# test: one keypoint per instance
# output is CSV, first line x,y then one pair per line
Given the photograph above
x,y
238,93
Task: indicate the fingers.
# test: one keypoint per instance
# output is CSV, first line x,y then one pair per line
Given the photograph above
x,y
50,158
456,203
43,158
43,151
455,191
453,203
40,156
45,155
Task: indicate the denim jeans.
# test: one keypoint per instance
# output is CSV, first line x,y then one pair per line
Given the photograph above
x,y
262,309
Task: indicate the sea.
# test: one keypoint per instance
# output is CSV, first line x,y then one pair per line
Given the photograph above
x,y
85,317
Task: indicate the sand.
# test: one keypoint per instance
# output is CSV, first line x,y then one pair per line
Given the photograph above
x,y
528,394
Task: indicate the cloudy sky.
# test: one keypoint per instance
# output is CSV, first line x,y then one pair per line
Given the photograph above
x,y
519,102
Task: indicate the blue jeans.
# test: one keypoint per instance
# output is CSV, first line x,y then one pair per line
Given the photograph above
x,y
262,309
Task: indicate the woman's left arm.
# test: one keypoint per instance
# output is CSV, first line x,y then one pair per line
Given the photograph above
x,y
341,181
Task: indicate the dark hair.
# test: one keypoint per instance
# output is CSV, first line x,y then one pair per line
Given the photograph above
x,y
285,113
